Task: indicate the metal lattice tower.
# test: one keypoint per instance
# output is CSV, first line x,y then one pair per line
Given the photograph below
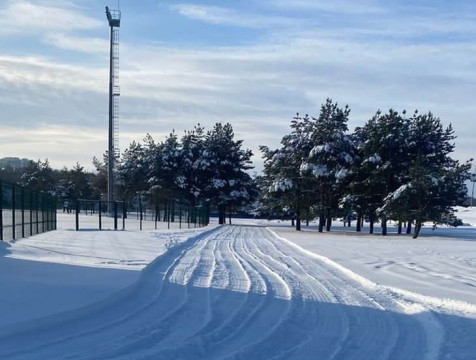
x,y
114,19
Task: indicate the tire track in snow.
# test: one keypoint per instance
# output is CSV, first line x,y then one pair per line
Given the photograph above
x,y
161,329
99,327
419,317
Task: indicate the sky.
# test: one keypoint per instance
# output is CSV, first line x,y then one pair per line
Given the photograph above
x,y
252,63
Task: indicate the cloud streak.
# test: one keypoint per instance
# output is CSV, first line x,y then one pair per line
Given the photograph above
x,y
29,17
223,16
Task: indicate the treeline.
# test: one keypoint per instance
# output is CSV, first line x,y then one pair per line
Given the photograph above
x,y
396,167
201,167
65,184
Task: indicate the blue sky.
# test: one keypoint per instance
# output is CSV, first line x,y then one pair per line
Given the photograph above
x,y
252,63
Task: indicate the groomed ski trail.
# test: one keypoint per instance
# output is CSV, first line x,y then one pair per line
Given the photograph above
x,y
239,292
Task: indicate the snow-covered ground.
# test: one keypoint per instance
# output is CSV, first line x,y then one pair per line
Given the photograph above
x,y
467,214
64,269
236,292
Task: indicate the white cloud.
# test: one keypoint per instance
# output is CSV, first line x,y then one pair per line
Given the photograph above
x,y
29,17
361,7
37,71
82,44
222,16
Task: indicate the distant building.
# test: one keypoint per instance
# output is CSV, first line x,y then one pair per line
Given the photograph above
x,y
14,163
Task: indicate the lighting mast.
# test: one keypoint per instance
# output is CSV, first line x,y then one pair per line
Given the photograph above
x,y
114,19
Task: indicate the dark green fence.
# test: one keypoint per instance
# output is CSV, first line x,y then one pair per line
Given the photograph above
x,y
175,213
24,212
138,215
110,215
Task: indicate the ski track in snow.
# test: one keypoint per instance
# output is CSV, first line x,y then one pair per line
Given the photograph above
x,y
242,292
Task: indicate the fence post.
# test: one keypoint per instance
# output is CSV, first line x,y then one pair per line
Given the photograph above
x,y
168,216
55,208
124,214
31,213
13,212
180,214
1,211
22,200
41,206
115,215
140,211
100,215
77,215
157,214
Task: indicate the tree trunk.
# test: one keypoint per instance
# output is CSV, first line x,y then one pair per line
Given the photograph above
x,y
221,215
371,224
384,225
409,227
358,226
399,228
229,218
298,222
417,229
328,220
322,220
307,222
292,221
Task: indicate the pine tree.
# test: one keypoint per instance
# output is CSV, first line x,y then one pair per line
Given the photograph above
x,y
39,176
132,171
384,166
435,182
286,189
193,170
330,159
225,164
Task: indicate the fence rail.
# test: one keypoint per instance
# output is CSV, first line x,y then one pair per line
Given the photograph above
x,y
24,212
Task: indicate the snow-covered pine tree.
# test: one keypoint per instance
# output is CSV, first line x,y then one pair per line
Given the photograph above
x,y
330,159
132,171
39,176
225,164
435,182
193,169
384,166
165,162
285,188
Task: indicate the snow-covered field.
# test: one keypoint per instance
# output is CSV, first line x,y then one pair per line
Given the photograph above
x,y
236,292
66,269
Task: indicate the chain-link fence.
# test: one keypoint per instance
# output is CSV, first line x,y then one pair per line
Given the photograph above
x,y
100,214
24,212
139,215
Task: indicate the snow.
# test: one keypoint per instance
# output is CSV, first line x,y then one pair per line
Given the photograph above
x,y
64,269
256,290
468,215
374,159
316,169
394,196
319,149
281,185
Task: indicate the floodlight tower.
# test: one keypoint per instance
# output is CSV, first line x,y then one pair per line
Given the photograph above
x,y
114,19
